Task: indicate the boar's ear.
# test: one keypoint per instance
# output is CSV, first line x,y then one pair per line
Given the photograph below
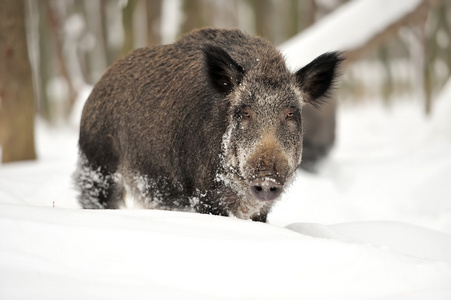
x,y
316,78
224,73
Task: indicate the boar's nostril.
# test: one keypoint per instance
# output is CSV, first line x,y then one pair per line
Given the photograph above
x,y
265,190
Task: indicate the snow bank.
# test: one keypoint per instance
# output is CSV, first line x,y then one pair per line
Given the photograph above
x,y
57,253
401,238
363,18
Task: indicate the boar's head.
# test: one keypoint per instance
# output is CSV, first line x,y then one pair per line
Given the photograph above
x,y
263,143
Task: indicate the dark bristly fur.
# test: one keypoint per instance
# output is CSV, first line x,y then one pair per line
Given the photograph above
x,y
211,123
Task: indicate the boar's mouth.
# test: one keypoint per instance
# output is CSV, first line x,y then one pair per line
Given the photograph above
x,y
265,189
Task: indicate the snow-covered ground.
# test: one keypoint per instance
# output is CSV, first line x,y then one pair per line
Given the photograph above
x,y
373,223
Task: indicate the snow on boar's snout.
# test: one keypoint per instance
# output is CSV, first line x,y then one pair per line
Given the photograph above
x,y
210,124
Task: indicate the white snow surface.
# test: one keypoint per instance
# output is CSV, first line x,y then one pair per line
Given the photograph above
x,y
373,223
347,28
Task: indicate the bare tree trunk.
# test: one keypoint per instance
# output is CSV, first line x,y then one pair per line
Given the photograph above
x,y
153,8
262,10
197,15
16,87
311,15
110,56
435,49
127,21
292,19
55,26
387,85
443,11
429,50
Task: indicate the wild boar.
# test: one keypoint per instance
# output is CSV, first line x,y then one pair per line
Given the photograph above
x,y
210,124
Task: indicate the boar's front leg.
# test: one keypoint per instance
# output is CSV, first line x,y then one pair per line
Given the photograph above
x,y
98,187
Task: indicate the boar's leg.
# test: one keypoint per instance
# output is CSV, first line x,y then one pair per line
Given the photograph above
x,y
98,187
260,217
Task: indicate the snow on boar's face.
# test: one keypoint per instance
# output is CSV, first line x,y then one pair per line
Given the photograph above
x,y
263,143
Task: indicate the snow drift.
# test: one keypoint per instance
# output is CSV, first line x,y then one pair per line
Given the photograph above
x,y
53,253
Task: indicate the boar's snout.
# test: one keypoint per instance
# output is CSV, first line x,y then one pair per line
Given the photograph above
x,y
267,169
265,190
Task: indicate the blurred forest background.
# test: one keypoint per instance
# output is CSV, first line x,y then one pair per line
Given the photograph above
x,y
69,44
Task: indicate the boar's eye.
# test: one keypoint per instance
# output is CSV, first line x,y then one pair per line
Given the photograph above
x,y
246,113
289,115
